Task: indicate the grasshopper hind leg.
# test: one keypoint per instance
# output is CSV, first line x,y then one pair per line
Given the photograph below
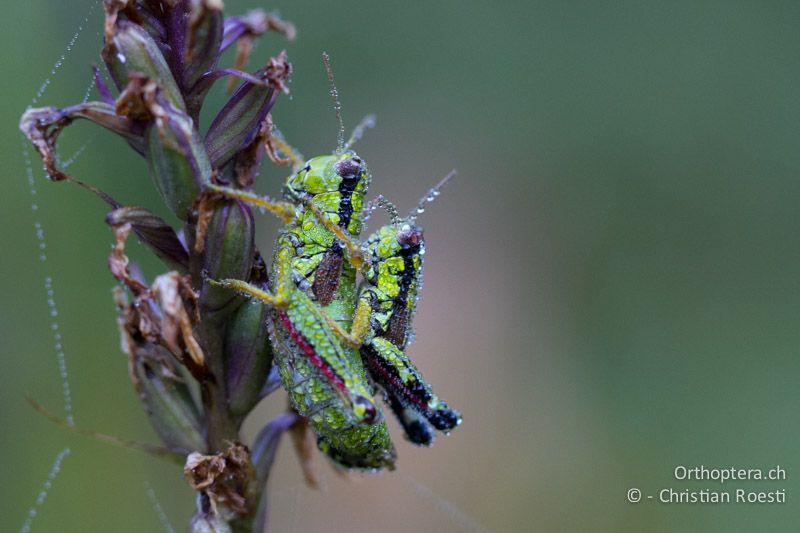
x,y
395,373
416,428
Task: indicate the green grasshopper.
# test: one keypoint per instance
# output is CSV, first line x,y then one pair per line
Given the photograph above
x,y
387,302
326,380
315,296
391,259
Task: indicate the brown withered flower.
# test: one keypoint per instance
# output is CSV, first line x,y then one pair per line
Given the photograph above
x,y
177,331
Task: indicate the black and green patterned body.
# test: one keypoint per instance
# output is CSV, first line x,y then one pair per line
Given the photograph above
x,y
391,289
329,386
336,185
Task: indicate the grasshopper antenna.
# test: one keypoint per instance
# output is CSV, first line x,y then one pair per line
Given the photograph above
x,y
430,197
337,106
375,203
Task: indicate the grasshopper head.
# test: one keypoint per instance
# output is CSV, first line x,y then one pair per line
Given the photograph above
x,y
397,251
340,172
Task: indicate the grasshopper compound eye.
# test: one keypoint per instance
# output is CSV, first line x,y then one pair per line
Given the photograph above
x,y
409,237
370,413
349,169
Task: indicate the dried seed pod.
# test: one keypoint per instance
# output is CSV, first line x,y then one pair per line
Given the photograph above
x,y
225,477
132,50
247,355
206,519
203,39
175,154
240,119
161,387
168,401
226,246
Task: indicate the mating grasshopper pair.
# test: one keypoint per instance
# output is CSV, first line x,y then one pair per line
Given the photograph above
x,y
332,339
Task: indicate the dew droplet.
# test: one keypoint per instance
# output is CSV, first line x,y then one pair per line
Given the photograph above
x,y
46,486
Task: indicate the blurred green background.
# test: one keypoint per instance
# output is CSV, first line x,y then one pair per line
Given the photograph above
x,y
612,284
